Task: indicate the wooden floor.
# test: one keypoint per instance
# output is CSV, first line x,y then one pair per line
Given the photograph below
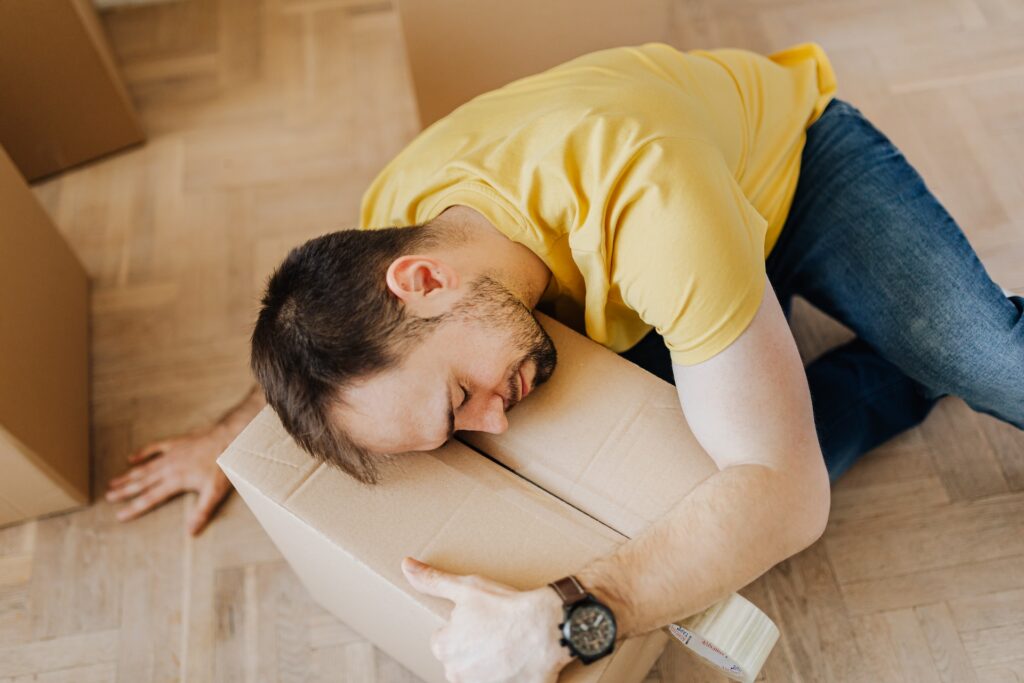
x,y
266,121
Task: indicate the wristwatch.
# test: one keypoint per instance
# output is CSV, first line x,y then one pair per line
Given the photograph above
x,y
589,627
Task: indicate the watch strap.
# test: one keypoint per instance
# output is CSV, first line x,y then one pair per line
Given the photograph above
x,y
569,590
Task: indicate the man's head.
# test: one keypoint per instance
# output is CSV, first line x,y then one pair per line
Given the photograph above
x,y
375,342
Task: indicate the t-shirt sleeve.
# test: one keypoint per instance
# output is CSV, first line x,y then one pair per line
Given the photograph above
x,y
688,252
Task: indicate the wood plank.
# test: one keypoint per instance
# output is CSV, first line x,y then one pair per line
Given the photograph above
x,y
961,454
976,612
923,587
998,645
906,542
911,647
64,652
877,646
947,650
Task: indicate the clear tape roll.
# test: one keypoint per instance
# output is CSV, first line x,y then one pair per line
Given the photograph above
x,y
733,636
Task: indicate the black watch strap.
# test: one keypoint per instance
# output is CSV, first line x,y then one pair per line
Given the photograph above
x,y
569,590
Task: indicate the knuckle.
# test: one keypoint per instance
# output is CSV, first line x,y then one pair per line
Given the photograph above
x,y
148,499
436,646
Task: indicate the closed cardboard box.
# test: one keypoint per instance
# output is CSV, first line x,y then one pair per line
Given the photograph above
x,y
591,457
63,100
453,508
44,360
458,49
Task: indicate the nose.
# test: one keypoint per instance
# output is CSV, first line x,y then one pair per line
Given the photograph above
x,y
483,416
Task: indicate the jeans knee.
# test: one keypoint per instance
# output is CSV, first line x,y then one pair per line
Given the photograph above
x,y
988,377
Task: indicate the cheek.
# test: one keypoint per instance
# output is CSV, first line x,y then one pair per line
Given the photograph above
x,y
480,359
479,342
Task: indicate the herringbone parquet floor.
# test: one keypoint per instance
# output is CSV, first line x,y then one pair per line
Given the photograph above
x,y
266,121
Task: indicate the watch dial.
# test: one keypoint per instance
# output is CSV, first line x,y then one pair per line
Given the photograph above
x,y
590,629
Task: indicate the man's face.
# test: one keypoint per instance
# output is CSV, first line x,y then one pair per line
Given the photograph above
x,y
465,374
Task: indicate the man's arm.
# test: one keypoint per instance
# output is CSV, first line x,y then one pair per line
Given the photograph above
x,y
749,407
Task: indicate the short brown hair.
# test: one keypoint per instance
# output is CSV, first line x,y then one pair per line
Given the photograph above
x,y
327,319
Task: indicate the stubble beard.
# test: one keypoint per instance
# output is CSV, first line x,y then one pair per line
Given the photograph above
x,y
492,304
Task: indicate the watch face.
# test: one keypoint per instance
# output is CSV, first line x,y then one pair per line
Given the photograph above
x,y
590,629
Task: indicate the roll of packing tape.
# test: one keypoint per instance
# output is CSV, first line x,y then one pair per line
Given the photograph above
x,y
733,636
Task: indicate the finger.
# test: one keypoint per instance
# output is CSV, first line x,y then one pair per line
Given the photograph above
x,y
138,472
436,644
147,501
210,497
132,488
135,475
433,581
148,451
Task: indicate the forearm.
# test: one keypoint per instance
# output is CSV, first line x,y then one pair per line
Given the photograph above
x,y
729,530
231,423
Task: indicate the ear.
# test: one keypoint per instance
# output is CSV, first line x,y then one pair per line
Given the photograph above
x,y
427,285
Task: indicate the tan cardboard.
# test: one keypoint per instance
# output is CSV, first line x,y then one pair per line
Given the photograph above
x,y
44,360
602,434
453,508
458,49
63,98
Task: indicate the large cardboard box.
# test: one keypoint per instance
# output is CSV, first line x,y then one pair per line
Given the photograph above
x,y
458,49
63,98
44,360
452,508
591,457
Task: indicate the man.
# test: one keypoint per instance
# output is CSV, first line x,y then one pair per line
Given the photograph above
x,y
630,189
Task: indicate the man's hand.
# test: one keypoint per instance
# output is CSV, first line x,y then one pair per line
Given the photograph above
x,y
496,633
163,469
166,468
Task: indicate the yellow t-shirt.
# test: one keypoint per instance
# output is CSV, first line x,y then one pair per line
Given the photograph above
x,y
652,182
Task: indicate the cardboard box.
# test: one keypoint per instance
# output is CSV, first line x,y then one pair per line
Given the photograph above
x,y
453,508
602,435
44,360
458,49
63,99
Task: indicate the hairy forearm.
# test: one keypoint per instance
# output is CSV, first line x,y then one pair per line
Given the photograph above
x,y
729,530
231,423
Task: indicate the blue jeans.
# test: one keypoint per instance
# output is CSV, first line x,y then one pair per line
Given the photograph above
x,y
866,242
